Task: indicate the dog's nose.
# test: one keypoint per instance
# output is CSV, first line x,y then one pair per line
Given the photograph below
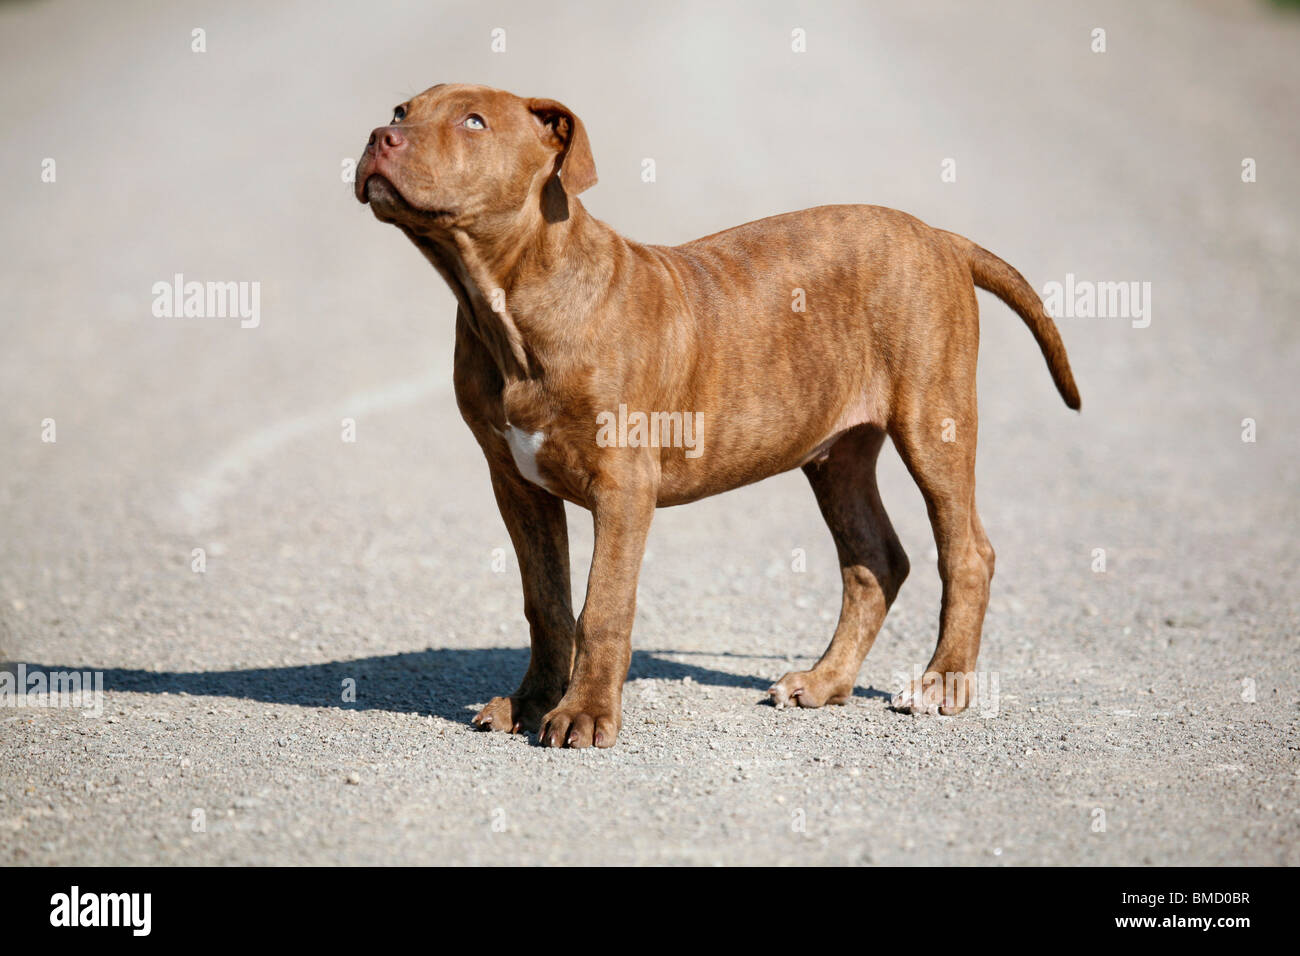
x,y
386,139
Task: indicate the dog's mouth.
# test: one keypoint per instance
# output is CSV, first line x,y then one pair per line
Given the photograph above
x,y
390,205
379,190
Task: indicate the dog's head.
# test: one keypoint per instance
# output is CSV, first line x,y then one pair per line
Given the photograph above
x,y
457,156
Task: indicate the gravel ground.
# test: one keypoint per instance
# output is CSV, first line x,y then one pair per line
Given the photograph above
x,y
1145,715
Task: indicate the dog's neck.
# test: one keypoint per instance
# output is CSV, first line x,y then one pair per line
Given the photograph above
x,y
527,283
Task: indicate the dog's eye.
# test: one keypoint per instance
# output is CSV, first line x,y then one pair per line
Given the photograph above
x,y
474,121
399,114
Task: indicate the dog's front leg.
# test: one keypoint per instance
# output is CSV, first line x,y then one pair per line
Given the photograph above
x,y
540,533
591,711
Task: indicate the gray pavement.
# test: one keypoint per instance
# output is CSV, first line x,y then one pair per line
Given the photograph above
x,y
1145,715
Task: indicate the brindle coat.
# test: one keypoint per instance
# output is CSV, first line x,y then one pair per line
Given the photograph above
x,y
561,319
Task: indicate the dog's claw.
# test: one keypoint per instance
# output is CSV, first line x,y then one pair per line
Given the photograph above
x,y
584,725
935,694
912,701
511,714
782,697
809,689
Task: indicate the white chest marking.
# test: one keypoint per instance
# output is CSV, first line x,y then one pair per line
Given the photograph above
x,y
524,447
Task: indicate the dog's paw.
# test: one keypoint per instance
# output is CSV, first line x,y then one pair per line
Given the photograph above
x,y
808,689
916,699
580,724
513,715
944,694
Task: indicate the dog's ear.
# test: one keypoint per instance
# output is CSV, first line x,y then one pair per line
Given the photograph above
x,y
564,132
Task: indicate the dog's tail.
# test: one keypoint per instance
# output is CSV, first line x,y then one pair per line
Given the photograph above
x,y
991,273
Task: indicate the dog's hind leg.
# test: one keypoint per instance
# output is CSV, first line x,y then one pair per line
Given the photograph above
x,y
938,447
872,565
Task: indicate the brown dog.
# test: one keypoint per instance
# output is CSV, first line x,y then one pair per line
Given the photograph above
x,y
625,377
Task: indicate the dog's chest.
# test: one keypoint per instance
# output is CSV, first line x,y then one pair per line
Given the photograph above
x,y
524,448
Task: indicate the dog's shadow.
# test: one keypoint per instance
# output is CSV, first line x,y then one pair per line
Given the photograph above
x,y
444,682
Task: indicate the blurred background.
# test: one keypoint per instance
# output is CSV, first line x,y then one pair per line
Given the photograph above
x,y
326,559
